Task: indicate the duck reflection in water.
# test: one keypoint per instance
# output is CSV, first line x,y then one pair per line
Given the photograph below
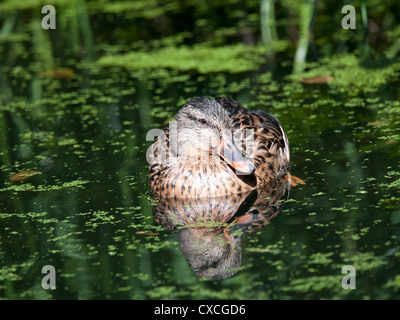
x,y
210,229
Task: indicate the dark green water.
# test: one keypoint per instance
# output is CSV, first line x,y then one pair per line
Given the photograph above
x,y
125,69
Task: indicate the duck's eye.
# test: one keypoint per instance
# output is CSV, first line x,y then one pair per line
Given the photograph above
x,y
214,265
203,121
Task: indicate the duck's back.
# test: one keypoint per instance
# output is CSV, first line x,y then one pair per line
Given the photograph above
x,y
271,146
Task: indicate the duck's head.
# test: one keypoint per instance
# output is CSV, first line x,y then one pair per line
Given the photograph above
x,y
210,254
203,134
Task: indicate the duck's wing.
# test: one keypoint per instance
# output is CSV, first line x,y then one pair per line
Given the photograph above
x,y
271,146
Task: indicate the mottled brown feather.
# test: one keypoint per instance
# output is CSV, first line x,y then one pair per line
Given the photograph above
x,y
271,160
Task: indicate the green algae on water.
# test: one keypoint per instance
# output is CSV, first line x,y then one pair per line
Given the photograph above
x,y
203,59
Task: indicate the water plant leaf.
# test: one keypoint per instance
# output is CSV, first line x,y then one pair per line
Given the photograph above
x,y
317,80
23,175
147,233
63,73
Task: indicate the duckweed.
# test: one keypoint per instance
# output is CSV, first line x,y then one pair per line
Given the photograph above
x,y
203,59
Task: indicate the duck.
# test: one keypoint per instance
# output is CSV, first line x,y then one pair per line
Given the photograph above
x,y
217,147
210,229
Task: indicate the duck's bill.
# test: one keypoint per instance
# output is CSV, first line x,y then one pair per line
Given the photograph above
x,y
234,157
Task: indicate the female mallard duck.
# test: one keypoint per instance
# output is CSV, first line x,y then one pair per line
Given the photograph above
x,y
197,156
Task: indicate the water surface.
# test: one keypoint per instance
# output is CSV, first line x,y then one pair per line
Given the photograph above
x,y
77,102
